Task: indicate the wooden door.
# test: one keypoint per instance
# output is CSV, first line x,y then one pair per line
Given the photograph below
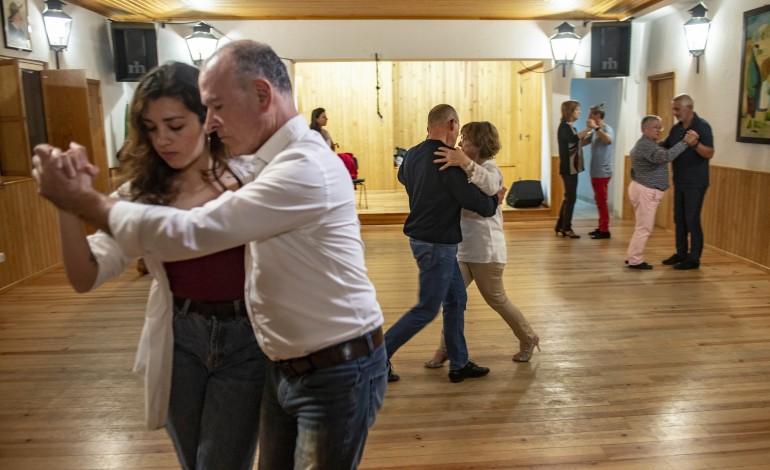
x,y
98,152
530,115
15,156
69,117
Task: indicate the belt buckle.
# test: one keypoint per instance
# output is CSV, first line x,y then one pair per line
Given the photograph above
x,y
298,367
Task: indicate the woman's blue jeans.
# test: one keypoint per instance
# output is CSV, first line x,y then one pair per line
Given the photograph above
x,y
441,283
216,391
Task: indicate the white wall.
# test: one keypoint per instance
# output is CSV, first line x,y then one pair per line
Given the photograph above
x,y
657,46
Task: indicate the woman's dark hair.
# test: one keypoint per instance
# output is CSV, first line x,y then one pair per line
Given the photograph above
x,y
151,178
483,135
314,117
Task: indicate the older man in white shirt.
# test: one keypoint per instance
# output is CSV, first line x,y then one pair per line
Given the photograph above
x,y
313,308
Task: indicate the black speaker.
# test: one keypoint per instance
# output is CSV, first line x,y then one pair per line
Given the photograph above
x,y
525,193
610,48
135,48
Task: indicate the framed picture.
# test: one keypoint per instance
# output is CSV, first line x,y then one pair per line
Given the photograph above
x,y
15,25
753,108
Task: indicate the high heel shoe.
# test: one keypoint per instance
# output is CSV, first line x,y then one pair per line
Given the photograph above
x,y
438,360
569,233
525,354
558,232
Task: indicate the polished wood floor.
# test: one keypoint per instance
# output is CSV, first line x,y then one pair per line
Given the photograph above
x,y
638,370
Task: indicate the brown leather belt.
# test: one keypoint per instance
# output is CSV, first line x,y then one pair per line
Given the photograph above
x,y
225,309
333,355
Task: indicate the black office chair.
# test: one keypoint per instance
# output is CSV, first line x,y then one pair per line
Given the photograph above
x,y
359,182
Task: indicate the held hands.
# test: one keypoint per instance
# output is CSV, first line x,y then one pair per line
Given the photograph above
x,y
692,138
61,176
451,157
591,124
501,195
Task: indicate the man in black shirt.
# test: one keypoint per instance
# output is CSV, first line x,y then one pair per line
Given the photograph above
x,y
433,227
691,179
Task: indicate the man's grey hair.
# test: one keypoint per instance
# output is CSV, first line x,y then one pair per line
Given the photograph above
x,y
685,99
252,60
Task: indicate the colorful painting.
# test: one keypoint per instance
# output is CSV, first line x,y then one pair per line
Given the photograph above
x,y
15,25
753,111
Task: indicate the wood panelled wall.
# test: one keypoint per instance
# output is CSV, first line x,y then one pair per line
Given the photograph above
x,y
29,234
736,217
479,90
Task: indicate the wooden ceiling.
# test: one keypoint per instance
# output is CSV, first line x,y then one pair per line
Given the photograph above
x,y
194,10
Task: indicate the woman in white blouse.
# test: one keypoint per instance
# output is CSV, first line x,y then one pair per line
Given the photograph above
x,y
482,253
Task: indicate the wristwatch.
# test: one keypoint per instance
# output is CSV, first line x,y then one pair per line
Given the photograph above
x,y
470,166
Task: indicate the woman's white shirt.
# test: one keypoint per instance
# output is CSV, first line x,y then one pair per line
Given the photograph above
x,y
483,237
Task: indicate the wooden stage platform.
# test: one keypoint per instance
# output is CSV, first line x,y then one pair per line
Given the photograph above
x,y
389,207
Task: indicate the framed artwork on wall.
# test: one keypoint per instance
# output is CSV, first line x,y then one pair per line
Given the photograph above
x,y
754,105
15,25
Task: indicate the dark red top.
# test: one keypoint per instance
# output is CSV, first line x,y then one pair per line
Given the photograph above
x,y
217,277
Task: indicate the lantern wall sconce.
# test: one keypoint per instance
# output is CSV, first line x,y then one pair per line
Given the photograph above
x,y
201,43
58,26
564,46
696,31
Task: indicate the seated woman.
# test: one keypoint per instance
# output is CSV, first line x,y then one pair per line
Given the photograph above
x,y
482,253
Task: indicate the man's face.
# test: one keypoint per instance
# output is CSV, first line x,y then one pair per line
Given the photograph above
x,y
681,111
235,112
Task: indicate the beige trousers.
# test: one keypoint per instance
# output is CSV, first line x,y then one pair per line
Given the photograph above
x,y
489,280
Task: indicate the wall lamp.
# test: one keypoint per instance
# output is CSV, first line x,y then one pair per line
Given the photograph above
x,y
201,43
564,46
58,26
696,31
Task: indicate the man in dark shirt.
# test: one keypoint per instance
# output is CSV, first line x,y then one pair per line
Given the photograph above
x,y
436,199
691,179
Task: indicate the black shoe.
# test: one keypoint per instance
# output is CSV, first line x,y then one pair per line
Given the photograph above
x,y
641,265
674,259
600,235
470,371
392,376
594,232
687,264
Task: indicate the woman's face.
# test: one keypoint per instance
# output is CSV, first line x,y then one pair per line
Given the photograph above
x,y
321,120
576,114
468,147
176,133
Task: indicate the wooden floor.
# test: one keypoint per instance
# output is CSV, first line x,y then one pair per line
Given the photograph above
x,y
639,370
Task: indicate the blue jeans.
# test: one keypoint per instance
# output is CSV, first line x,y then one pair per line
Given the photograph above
x,y
440,284
321,420
216,391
